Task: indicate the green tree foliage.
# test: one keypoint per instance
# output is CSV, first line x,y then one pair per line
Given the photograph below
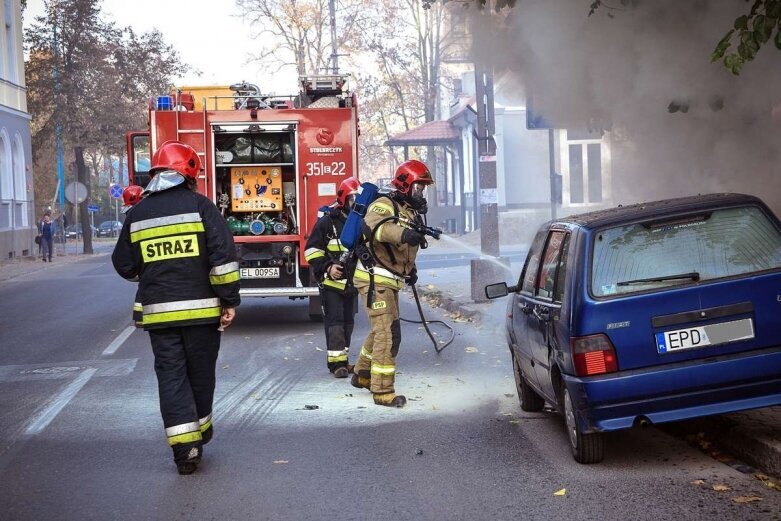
x,y
749,33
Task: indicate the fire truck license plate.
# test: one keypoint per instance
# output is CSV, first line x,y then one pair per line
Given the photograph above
x,y
259,273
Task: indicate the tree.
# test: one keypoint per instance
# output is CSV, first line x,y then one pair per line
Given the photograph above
x,y
104,75
299,31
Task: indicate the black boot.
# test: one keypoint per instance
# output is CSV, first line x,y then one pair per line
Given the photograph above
x,y
187,458
341,372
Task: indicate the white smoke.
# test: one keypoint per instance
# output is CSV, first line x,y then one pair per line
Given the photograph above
x,y
631,69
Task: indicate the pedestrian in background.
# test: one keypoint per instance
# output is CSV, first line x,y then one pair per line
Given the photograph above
x,y
46,230
178,247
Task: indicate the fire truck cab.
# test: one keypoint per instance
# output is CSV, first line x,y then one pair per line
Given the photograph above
x,y
270,163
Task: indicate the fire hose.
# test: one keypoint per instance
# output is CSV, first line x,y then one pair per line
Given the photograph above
x,y
433,232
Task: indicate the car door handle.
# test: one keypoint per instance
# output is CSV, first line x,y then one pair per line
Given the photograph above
x,y
542,313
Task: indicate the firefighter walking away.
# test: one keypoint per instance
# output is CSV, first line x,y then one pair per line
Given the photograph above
x,y
178,247
382,271
323,252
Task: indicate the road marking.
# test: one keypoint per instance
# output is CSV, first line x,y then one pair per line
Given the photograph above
x,y
32,372
113,346
59,403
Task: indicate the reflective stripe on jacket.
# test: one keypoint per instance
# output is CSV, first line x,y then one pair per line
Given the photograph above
x,y
324,248
179,246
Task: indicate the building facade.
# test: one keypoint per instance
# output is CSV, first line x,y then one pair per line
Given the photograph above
x,y
17,222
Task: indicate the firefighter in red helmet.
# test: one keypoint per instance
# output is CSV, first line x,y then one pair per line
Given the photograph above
x,y
393,247
337,294
130,197
179,248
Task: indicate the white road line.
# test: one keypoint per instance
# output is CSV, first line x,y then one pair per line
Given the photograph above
x,y
59,403
113,346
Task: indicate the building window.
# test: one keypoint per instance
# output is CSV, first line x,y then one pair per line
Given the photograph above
x,y
6,191
586,180
20,183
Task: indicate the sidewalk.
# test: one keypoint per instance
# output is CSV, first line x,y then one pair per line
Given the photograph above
x,y
11,269
754,436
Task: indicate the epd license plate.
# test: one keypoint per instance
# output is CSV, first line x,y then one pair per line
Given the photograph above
x,y
259,273
712,334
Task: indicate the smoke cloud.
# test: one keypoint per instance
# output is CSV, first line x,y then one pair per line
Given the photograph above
x,y
678,124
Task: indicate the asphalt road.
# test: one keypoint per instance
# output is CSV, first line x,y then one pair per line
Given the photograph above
x,y
82,437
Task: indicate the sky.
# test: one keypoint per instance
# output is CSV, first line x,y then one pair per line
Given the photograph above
x,y
209,35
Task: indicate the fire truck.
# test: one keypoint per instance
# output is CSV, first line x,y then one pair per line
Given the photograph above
x,y
270,163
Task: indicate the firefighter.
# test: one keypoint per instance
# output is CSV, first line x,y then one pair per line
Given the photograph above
x,y
323,251
391,263
130,196
176,243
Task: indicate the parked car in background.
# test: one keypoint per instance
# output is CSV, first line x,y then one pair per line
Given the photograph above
x,y
75,231
109,229
649,313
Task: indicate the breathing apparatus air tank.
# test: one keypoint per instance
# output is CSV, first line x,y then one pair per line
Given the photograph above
x,y
351,233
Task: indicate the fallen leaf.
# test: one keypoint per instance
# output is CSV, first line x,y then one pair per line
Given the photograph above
x,y
280,461
317,349
226,366
746,499
429,286
471,349
514,422
698,482
562,492
761,476
721,488
507,414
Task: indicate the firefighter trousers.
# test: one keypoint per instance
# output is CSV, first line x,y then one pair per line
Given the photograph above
x,y
339,320
185,360
377,359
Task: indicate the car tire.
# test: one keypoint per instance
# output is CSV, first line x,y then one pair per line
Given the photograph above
x,y
586,448
530,400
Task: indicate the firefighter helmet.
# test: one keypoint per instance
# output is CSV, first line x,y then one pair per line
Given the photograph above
x,y
131,195
175,155
347,188
410,172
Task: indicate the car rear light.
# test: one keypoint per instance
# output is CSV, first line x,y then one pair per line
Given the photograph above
x,y
593,354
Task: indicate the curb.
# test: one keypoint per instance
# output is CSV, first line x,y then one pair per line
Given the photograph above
x,y
755,444
438,298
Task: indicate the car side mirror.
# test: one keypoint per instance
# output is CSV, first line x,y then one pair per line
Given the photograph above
x,y
497,290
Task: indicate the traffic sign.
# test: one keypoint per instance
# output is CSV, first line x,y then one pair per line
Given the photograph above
x,y
75,192
115,191
93,208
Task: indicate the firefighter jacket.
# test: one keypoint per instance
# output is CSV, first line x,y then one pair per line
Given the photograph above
x,y
178,247
389,251
323,248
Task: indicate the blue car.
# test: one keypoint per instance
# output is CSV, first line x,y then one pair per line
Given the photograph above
x,y
649,313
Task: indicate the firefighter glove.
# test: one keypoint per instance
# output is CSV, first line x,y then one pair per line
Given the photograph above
x,y
412,237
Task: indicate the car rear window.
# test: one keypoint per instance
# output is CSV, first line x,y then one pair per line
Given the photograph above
x,y
722,243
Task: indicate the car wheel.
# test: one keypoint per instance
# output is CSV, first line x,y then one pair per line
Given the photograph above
x,y
586,448
530,400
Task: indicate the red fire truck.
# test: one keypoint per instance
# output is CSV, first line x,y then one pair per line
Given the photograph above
x,y
270,162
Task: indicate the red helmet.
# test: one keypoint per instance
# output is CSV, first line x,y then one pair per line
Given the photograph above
x,y
409,172
174,155
131,195
348,187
